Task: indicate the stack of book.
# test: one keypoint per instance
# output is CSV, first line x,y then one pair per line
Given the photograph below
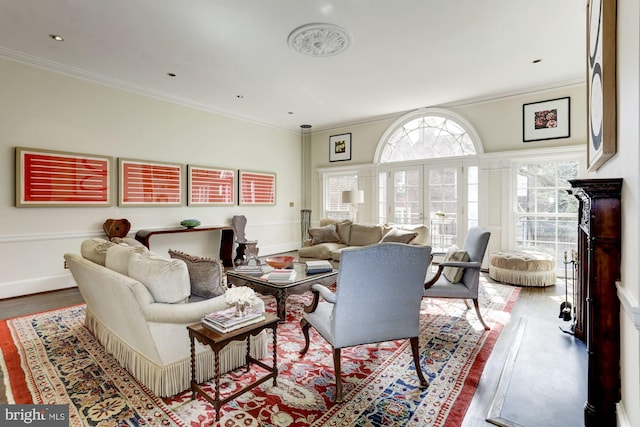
x,y
315,267
250,270
227,320
281,276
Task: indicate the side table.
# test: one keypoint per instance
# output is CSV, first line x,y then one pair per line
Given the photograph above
x,y
217,342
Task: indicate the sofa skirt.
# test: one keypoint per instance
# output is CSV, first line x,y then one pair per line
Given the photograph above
x,y
171,379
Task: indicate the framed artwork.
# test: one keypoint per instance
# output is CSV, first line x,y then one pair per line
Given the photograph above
x,y
210,186
601,82
147,183
546,120
340,147
57,178
257,188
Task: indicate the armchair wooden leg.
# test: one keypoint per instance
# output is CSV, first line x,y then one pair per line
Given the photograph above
x,y
416,361
475,303
466,302
338,373
305,331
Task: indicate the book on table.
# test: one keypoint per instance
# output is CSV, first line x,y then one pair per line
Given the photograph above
x,y
281,275
250,270
227,320
315,267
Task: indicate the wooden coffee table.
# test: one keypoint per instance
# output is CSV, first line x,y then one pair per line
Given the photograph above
x,y
281,291
217,342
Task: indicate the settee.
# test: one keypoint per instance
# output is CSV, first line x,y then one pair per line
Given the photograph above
x,y
332,237
138,305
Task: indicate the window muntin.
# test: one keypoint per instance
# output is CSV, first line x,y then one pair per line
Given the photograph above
x,y
335,185
427,137
546,215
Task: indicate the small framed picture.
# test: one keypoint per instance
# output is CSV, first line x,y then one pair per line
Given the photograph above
x,y
340,147
546,120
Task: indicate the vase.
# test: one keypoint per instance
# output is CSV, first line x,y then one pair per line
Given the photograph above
x,y
241,309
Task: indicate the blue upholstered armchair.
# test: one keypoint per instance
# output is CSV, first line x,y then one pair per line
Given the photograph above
x,y
459,275
378,295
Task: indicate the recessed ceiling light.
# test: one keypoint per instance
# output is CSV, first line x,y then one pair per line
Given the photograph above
x,y
319,40
56,37
171,74
240,96
535,61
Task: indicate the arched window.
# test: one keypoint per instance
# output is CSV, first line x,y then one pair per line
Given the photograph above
x,y
428,173
428,134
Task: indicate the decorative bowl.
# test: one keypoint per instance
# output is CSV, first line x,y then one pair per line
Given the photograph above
x,y
280,261
190,223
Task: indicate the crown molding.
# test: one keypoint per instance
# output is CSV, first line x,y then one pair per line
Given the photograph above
x,y
114,83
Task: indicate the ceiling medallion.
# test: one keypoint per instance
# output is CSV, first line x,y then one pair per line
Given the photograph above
x,y
319,40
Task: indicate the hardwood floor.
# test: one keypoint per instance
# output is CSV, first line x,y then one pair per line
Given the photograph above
x,y
538,307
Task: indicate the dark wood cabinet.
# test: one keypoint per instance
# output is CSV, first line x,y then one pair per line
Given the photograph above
x,y
597,303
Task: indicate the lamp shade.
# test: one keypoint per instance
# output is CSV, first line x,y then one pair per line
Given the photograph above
x,y
353,196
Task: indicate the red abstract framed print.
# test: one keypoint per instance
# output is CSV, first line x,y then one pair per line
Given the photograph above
x,y
57,178
257,188
148,183
211,186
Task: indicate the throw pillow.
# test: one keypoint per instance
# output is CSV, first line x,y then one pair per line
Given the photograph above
x,y
454,274
399,236
95,250
326,234
166,279
363,235
206,275
421,229
117,258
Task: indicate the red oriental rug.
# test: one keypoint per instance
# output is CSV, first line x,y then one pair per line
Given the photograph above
x,y
51,358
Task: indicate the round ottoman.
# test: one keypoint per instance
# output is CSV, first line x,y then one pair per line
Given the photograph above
x,y
524,268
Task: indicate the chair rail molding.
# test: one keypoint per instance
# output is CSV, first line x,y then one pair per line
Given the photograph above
x,y
629,305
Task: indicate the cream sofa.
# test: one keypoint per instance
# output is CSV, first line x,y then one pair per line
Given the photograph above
x,y
138,307
325,243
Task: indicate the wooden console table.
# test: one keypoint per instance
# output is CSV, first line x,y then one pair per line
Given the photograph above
x,y
226,238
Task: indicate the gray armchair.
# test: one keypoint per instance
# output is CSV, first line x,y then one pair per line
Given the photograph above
x,y
439,286
377,299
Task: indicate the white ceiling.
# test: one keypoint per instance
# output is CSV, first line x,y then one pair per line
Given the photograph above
x,y
405,54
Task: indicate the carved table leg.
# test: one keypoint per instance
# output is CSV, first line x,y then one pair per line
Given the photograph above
x,y
217,381
281,301
193,367
275,356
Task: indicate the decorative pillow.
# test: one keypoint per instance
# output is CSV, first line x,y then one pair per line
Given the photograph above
x,y
421,229
205,274
454,274
127,241
326,234
399,236
95,250
166,279
363,235
117,258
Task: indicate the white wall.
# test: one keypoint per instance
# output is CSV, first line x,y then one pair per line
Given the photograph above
x,y
43,109
624,165
498,123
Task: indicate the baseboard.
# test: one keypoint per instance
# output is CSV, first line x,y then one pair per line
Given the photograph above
x,y
35,286
621,416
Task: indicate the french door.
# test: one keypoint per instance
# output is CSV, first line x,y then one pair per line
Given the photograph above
x,y
442,196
